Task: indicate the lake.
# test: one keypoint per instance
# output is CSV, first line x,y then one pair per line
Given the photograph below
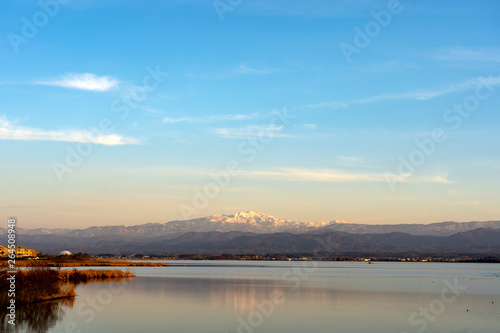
x,y
278,297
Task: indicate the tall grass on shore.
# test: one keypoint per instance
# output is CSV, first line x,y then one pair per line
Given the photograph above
x,y
78,276
35,284
92,262
40,283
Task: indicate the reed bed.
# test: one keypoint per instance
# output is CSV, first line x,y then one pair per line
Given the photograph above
x,y
40,283
36,285
77,276
93,263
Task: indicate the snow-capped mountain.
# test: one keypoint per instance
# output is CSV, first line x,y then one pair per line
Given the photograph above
x,y
256,222
253,231
243,221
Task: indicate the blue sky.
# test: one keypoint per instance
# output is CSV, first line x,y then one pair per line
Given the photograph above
x,y
119,112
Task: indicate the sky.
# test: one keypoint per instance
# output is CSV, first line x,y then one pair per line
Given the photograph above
x,y
127,112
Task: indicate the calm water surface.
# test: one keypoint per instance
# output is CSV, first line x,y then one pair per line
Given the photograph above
x,y
255,296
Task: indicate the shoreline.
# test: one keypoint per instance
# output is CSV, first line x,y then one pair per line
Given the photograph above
x,y
48,284
155,262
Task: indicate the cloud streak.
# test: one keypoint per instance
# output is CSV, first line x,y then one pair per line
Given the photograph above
x,y
210,119
83,81
8,131
468,54
251,131
337,176
419,94
245,69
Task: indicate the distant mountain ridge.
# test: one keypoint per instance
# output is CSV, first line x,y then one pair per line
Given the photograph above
x,y
257,222
255,232
432,229
477,243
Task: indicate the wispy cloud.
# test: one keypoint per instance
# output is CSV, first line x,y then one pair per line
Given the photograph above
x,y
240,70
245,69
311,8
320,175
336,176
85,81
250,131
468,54
349,159
385,66
9,131
440,179
419,94
210,118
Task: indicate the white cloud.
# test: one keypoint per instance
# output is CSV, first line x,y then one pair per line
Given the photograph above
x,y
468,54
245,69
319,175
310,126
210,119
337,176
269,131
419,94
386,66
311,8
441,179
85,81
11,132
242,69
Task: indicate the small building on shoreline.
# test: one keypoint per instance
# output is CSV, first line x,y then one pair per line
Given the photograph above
x,y
20,251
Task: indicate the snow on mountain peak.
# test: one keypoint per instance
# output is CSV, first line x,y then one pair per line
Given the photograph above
x,y
257,222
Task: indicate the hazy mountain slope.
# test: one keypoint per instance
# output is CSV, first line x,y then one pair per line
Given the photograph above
x,y
333,243
436,229
247,222
257,223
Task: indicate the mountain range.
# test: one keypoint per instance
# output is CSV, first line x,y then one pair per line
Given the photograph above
x,y
258,232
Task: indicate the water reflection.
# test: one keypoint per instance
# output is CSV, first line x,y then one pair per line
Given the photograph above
x,y
325,302
239,295
182,305
36,317
41,317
